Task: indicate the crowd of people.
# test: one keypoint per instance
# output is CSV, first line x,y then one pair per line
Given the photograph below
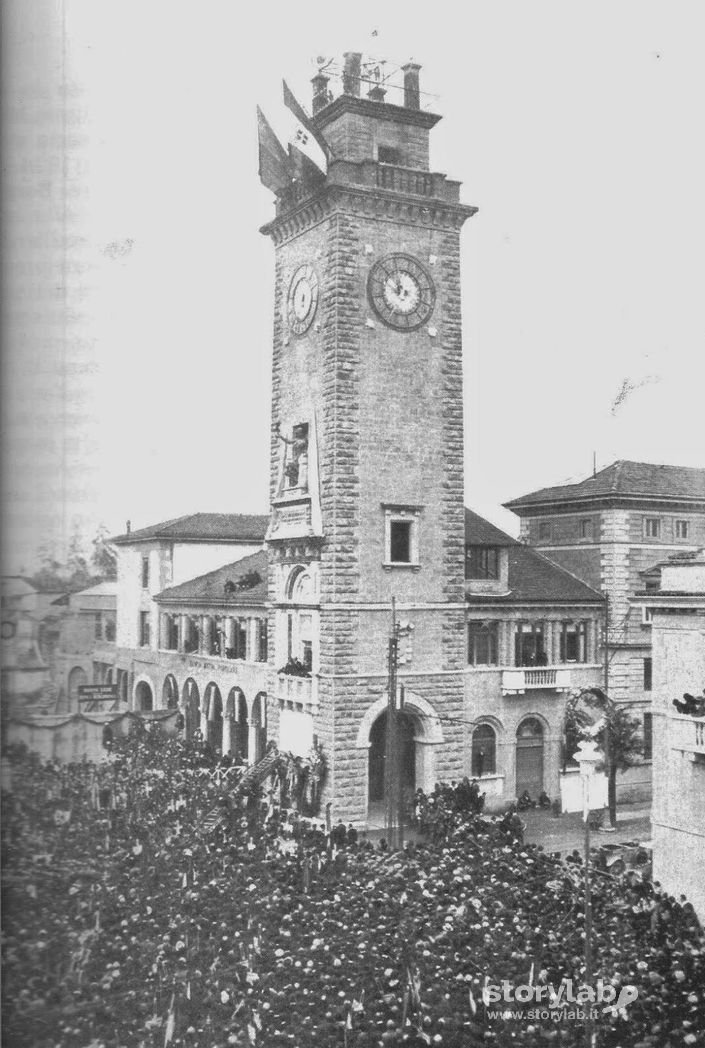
x,y
149,902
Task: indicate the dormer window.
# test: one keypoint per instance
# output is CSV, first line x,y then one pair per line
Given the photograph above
x,y
388,155
482,562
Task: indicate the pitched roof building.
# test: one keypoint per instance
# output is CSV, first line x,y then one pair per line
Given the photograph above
x,y
612,530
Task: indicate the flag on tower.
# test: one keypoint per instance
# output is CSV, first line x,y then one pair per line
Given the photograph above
x,y
274,167
303,135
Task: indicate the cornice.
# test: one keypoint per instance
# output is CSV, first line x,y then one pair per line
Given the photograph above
x,y
374,203
377,110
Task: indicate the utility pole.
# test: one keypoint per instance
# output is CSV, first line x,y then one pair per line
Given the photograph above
x,y
391,764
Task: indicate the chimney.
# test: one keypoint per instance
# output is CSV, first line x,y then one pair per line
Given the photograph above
x,y
320,92
128,527
351,73
411,85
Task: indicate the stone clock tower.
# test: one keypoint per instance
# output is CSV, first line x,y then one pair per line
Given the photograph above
x,y
367,447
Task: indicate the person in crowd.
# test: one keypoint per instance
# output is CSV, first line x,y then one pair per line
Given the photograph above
x,y
144,925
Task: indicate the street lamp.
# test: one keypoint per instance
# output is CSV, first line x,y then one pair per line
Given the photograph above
x,y
588,757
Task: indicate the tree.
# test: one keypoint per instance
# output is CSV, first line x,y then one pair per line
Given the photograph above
x,y
618,735
78,570
103,557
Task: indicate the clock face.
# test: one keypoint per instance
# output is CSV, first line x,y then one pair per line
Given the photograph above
x,y
302,299
401,292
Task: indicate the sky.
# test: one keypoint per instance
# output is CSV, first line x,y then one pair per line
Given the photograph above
x,y
138,289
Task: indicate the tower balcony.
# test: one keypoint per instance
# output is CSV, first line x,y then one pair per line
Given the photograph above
x,y
299,691
547,678
688,735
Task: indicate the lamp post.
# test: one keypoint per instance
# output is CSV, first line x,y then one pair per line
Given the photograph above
x,y
588,757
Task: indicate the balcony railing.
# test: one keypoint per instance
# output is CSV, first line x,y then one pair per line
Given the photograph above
x,y
302,690
688,734
550,678
405,180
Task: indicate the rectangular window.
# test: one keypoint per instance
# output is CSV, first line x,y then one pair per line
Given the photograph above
x,y
290,636
573,642
586,529
388,155
261,640
647,615
652,527
682,528
529,645
648,674
98,628
144,629
110,630
483,643
172,633
240,639
481,562
401,535
145,572
400,542
544,531
648,737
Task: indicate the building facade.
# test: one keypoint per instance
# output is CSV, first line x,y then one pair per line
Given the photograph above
x,y
88,623
609,530
533,636
678,652
367,439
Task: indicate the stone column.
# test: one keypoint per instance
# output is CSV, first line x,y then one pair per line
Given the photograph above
x,y
548,629
591,641
252,742
206,634
227,729
163,630
183,627
506,639
230,632
557,631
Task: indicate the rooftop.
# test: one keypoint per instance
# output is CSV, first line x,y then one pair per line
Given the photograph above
x,y
202,527
480,532
623,479
243,582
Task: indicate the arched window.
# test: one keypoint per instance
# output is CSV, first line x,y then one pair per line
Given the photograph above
x,y
484,751
299,587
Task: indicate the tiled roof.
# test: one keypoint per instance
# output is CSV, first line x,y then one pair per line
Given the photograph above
x,y
211,588
627,479
480,532
203,527
106,588
534,579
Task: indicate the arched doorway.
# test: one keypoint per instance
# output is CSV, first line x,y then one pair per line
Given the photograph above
x,y
170,692
259,723
241,727
214,708
378,755
529,764
144,697
77,678
191,701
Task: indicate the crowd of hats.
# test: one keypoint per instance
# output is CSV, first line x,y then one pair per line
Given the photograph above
x,y
145,907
